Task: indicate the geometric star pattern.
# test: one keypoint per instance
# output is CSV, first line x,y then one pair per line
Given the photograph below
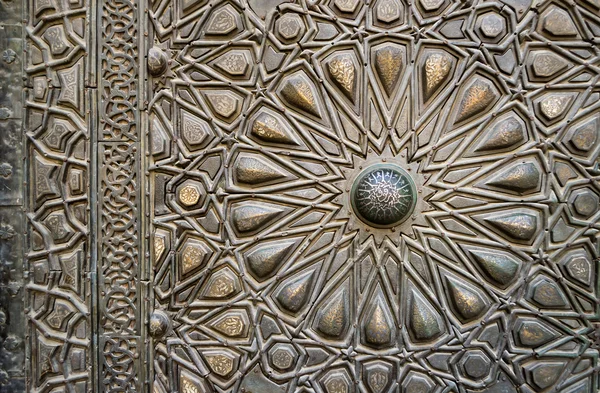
x,y
57,334
261,116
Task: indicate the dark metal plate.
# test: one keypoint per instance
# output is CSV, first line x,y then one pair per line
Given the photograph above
x,y
194,220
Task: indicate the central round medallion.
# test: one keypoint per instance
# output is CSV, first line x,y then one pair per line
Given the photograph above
x,y
383,195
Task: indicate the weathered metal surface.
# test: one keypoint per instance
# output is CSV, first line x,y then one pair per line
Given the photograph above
x,y
12,316
11,114
309,196
58,117
120,258
260,126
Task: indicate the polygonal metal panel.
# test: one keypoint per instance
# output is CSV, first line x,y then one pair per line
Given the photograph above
x,y
305,196
486,280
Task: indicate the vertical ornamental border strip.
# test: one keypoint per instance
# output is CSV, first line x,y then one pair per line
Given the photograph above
x,y
119,329
12,318
59,81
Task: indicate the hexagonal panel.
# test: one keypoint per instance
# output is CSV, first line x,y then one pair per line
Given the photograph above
x,y
337,380
347,6
415,382
283,357
585,202
491,26
290,27
389,11
190,194
431,5
475,364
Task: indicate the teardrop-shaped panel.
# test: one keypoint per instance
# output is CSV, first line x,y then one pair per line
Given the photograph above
x,y
508,131
477,98
583,136
554,105
342,71
532,333
378,324
377,330
547,293
546,64
272,128
334,316
389,64
424,322
498,267
268,257
518,224
468,302
521,177
299,92
251,216
256,169
436,69
293,293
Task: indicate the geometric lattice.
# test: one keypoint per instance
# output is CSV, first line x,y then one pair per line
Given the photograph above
x,y
57,182
305,196
262,114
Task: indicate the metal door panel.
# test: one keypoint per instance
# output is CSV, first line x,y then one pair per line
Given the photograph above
x,y
333,196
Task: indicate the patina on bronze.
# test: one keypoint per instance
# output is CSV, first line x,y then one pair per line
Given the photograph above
x,y
383,195
305,196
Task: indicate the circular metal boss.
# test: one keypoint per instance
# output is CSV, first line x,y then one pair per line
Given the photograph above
x,y
383,195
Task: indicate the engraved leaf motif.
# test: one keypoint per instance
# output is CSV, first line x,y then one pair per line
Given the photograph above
x,y
6,231
342,71
437,70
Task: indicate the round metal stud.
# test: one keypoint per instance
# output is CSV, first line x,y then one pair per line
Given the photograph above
x,y
159,324
383,195
157,61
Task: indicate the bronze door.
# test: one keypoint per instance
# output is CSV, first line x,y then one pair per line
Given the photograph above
x,y
310,196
